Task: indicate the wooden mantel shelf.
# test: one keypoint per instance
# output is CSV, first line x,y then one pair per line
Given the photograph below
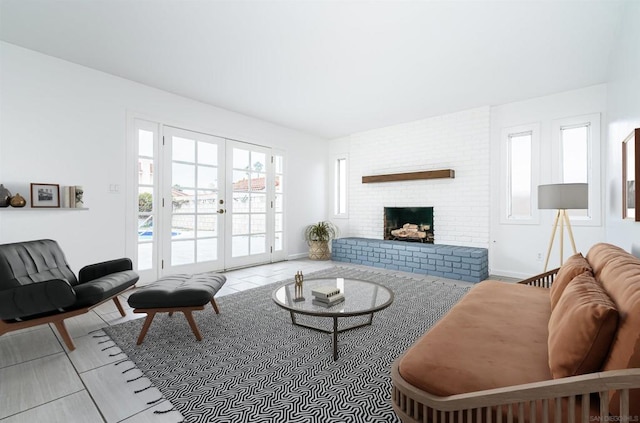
x,y
410,176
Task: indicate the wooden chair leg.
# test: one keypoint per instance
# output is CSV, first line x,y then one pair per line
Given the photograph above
x,y
215,305
194,328
119,306
145,327
171,314
62,330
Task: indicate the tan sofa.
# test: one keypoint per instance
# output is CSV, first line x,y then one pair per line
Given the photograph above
x,y
561,346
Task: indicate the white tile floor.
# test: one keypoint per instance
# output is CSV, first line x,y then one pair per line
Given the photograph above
x,y
41,381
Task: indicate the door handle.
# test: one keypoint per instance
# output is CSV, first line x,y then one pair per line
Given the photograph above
x,y
221,211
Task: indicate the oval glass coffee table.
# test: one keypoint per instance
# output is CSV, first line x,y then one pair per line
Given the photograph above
x,y
360,298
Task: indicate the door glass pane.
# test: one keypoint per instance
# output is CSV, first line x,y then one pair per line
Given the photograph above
x,y
183,201
240,223
145,227
145,199
207,177
258,223
207,153
278,242
240,159
278,164
258,161
240,180
145,256
183,226
258,203
207,249
239,246
182,252
145,171
207,225
258,244
183,150
278,183
207,201
184,176
258,182
278,203
240,202
279,222
145,143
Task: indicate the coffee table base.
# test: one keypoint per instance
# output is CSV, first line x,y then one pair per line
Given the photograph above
x,y
335,330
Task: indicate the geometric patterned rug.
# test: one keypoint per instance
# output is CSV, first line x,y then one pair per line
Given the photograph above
x,y
253,365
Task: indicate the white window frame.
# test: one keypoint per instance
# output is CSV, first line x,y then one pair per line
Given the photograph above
x,y
594,217
336,188
534,130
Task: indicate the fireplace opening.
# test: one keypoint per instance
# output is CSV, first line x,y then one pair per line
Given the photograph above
x,y
414,224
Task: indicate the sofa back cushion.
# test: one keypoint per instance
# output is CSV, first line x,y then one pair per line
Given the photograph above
x,y
574,266
29,262
619,273
581,328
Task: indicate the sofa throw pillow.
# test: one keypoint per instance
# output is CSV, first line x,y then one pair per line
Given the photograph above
x,y
581,328
574,266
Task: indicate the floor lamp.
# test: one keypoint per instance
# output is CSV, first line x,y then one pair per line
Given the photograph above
x,y
562,197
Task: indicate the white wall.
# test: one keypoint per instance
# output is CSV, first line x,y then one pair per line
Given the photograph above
x,y
458,141
623,105
515,247
66,124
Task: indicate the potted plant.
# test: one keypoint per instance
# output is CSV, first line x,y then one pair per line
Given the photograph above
x,y
318,236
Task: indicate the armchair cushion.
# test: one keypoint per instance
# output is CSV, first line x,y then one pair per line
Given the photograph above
x,y
94,291
98,270
35,299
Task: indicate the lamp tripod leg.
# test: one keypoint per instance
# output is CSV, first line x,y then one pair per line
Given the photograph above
x,y
573,243
553,235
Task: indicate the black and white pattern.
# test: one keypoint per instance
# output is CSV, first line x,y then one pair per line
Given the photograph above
x,y
253,365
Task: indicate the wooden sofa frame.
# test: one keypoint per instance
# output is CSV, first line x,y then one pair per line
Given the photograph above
x,y
413,405
58,320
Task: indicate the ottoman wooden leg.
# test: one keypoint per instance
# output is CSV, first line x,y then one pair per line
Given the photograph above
x,y
194,328
145,327
215,305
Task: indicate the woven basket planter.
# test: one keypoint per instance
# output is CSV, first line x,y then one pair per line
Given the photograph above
x,y
319,250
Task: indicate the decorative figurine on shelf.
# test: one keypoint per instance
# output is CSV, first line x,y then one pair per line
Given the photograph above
x,y
18,201
5,196
298,287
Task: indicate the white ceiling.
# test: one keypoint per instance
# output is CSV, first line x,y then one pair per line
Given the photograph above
x,y
326,67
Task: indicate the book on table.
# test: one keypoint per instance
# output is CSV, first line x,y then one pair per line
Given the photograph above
x,y
325,291
326,304
330,300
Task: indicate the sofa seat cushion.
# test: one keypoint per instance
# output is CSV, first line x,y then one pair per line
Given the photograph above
x,y
97,290
496,336
581,328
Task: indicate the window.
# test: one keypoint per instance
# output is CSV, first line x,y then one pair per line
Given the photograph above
x,y
520,146
576,153
340,188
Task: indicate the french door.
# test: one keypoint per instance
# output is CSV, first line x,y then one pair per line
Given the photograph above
x,y
204,202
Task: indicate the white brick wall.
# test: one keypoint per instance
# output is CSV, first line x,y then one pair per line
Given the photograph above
x,y
459,141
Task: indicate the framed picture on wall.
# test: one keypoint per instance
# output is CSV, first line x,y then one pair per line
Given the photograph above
x,y
45,195
630,176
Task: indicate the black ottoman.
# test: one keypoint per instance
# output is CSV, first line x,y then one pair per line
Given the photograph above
x,y
185,293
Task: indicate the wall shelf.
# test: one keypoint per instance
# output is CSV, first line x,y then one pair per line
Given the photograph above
x,y
43,208
410,176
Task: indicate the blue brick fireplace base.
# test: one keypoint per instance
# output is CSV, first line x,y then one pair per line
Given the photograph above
x,y
469,264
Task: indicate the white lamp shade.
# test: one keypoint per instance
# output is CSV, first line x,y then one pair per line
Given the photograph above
x,y
563,196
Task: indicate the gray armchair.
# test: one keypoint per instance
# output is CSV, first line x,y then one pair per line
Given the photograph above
x,y
38,287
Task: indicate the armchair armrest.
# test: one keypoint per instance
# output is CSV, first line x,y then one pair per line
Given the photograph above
x,y
544,280
98,270
35,298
